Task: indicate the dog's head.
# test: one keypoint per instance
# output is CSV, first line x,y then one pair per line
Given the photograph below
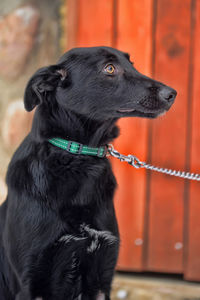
x,y
99,83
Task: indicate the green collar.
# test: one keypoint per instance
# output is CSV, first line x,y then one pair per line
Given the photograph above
x,y
76,148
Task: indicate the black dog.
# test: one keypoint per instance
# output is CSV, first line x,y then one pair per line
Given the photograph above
x,y
58,231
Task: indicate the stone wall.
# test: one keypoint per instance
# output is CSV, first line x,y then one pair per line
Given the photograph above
x,y
29,38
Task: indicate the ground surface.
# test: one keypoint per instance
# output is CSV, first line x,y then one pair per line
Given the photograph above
x,y
133,287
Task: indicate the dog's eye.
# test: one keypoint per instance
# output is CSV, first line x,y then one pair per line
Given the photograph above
x,y
110,69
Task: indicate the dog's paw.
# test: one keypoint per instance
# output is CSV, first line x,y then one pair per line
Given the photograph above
x,y
101,296
98,238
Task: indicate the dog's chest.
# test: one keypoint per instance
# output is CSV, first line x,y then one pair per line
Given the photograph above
x,y
82,180
84,192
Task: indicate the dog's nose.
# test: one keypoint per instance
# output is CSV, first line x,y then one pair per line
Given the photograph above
x,y
167,94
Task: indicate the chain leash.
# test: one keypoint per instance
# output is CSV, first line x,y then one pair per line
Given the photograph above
x,y
136,163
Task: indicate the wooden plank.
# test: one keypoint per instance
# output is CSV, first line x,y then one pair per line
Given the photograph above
x,y
165,253
86,26
95,25
134,22
192,260
71,23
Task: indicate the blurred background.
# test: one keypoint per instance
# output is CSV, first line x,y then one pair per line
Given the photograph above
x,y
159,215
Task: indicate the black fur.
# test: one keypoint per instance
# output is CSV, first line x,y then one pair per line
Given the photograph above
x,y
58,231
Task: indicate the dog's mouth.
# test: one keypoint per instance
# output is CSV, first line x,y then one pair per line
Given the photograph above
x,y
126,110
133,112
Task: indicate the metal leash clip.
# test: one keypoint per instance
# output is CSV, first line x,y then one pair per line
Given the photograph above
x,y
130,159
136,163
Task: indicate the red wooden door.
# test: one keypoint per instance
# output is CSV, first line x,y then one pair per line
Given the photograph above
x,y
158,214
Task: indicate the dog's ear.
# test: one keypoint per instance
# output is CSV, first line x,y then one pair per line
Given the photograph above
x,y
44,81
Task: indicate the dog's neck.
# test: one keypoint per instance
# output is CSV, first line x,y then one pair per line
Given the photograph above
x,y
71,126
